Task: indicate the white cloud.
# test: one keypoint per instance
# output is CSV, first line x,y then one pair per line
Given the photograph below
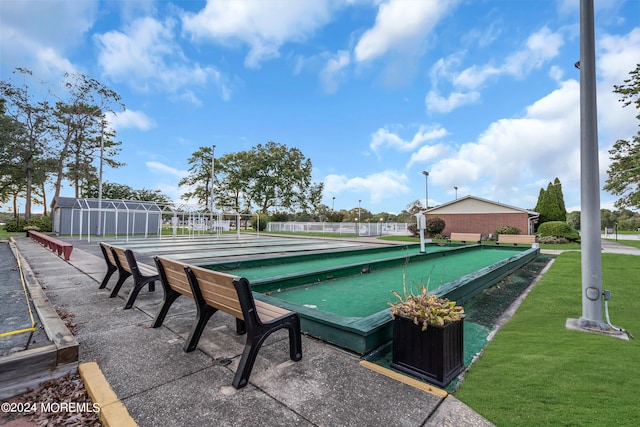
x,y
539,48
619,55
130,119
36,35
512,151
428,153
379,186
334,71
384,137
440,104
162,169
262,25
401,26
146,57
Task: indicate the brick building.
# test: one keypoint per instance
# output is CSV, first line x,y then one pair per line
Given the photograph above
x,y
475,215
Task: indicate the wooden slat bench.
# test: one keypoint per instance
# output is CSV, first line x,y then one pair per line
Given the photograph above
x,y
466,237
527,239
61,248
215,291
112,267
127,266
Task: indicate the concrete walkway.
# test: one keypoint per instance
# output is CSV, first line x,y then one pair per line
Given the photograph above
x,y
160,385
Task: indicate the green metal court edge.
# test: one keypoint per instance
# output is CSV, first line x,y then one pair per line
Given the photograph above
x,y
363,335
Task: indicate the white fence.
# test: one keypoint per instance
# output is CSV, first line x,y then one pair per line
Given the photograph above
x,y
349,228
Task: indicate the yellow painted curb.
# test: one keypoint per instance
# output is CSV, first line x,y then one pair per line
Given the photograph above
x,y
404,379
113,413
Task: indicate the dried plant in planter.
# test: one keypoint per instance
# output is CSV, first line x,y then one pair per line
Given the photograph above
x,y
426,309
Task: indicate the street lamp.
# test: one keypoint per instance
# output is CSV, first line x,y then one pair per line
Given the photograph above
x,y
456,188
333,203
426,189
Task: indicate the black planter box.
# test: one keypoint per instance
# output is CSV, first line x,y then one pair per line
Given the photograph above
x,y
435,355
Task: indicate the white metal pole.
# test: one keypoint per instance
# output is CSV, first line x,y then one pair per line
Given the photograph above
x,y
100,176
213,177
589,179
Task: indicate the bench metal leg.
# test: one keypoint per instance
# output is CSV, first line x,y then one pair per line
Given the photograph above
x,y
169,297
255,341
123,276
110,270
137,287
204,313
295,339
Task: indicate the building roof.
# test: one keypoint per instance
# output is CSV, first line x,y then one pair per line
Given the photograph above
x,y
473,204
107,204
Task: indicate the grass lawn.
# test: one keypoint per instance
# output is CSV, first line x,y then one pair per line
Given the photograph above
x,y
536,372
6,234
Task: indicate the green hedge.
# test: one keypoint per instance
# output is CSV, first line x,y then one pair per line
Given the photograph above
x,y
39,223
558,229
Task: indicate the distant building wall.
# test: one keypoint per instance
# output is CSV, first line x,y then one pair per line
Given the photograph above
x,y
484,223
70,217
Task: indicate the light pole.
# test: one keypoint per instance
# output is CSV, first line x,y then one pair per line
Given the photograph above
x,y
456,188
213,177
359,219
333,203
591,257
99,233
426,189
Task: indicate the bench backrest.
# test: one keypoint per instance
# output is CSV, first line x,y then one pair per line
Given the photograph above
x,y
218,290
472,237
172,272
107,251
120,254
516,238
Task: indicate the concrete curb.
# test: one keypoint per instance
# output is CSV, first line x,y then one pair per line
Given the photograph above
x,y
113,413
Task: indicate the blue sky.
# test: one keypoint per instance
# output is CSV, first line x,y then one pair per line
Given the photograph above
x,y
483,94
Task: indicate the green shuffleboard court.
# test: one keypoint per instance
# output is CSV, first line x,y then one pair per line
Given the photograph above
x,y
342,296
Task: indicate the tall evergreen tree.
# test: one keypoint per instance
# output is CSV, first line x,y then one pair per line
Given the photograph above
x,y
550,204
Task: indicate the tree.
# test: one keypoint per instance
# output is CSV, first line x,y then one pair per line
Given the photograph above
x,y
29,146
573,219
557,198
624,170
231,172
199,178
10,171
280,176
550,204
57,142
267,176
80,130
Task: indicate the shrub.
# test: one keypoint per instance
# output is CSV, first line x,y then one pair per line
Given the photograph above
x,y
435,226
552,240
39,223
12,225
413,229
558,229
264,220
507,229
